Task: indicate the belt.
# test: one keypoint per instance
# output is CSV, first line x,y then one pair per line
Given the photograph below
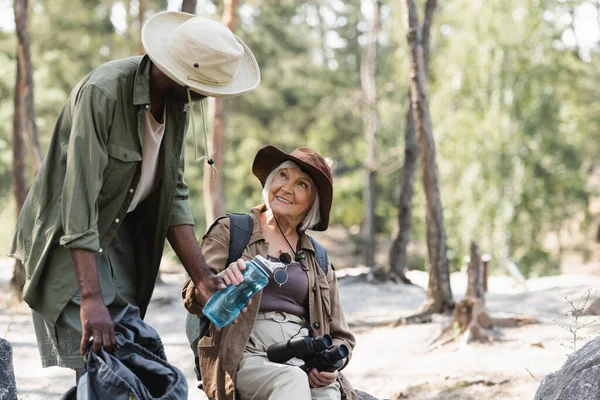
x,y
279,316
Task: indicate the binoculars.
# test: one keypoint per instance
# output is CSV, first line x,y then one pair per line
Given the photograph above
x,y
319,353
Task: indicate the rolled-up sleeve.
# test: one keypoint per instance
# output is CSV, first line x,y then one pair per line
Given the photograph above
x,y
181,213
86,160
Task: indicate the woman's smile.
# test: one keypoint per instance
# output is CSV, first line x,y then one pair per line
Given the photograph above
x,y
282,200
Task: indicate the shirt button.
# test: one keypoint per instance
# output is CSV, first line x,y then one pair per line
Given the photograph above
x,y
314,289
131,190
117,220
100,250
316,325
147,106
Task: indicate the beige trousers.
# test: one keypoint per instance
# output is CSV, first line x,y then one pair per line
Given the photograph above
x,y
259,379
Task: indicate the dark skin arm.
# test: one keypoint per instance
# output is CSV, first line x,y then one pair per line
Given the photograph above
x,y
183,241
95,318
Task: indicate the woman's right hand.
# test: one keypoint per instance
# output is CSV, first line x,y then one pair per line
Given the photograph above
x,y
233,273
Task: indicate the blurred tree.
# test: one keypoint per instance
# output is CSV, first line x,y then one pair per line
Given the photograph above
x,y
214,193
368,72
515,107
398,259
21,21
513,96
439,290
24,118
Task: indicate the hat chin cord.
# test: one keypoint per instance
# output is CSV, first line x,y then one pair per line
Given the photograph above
x,y
209,160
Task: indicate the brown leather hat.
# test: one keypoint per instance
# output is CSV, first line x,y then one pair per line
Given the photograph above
x,y
309,161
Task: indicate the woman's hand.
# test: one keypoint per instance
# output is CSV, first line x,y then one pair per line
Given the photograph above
x,y
321,378
233,273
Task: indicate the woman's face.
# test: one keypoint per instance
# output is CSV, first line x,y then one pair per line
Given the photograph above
x,y
292,194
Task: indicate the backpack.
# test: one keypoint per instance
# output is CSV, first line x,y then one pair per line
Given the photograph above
x,y
240,231
137,368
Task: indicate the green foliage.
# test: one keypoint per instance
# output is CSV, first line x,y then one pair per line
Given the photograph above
x,y
515,108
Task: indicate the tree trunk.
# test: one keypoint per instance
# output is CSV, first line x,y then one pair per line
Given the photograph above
x,y
214,194
475,274
141,11
30,125
398,258
411,155
368,69
439,290
19,168
189,6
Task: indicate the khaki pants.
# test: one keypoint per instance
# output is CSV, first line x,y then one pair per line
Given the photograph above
x,y
258,378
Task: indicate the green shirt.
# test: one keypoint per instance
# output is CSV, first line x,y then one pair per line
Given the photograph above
x,y
87,181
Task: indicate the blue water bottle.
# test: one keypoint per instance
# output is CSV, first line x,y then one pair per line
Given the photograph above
x,y
225,305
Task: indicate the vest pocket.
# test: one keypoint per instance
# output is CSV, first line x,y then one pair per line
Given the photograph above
x,y
325,299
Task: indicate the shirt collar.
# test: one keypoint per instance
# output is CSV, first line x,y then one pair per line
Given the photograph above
x,y
141,86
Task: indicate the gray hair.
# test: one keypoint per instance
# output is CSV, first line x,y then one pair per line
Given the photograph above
x,y
314,214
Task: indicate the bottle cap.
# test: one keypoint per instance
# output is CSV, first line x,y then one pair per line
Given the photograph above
x,y
266,265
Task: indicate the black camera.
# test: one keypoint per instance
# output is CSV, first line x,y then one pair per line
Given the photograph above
x,y
319,352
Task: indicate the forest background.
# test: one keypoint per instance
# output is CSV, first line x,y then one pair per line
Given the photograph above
x,y
513,94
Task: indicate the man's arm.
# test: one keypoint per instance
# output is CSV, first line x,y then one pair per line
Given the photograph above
x,y
95,319
86,160
184,243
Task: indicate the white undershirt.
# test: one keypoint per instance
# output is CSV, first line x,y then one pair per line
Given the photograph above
x,y
153,135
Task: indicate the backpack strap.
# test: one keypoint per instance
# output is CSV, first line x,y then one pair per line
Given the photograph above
x,y
239,235
320,254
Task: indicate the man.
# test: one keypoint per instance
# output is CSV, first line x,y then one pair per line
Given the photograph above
x,y
111,189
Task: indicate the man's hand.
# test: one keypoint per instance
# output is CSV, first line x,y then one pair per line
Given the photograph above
x,y
96,323
95,319
183,241
207,286
321,378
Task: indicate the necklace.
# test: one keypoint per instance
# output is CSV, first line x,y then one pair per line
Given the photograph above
x,y
280,275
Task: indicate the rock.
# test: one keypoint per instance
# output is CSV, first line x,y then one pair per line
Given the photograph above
x,y
8,385
364,396
578,379
593,308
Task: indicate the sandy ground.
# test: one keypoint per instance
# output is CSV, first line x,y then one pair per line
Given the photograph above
x,y
387,362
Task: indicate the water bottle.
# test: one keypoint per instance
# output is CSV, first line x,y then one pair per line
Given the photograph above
x,y
225,305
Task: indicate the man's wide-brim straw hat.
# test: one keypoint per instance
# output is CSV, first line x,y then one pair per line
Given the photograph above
x,y
309,161
200,53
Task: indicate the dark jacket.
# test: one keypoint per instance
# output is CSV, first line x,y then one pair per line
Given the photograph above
x,y
137,369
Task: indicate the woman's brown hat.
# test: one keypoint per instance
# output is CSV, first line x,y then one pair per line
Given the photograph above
x,y
309,161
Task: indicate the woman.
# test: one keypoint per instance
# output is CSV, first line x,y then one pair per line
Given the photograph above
x,y
297,194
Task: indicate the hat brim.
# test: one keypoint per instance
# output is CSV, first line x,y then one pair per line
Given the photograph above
x,y
269,157
156,36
